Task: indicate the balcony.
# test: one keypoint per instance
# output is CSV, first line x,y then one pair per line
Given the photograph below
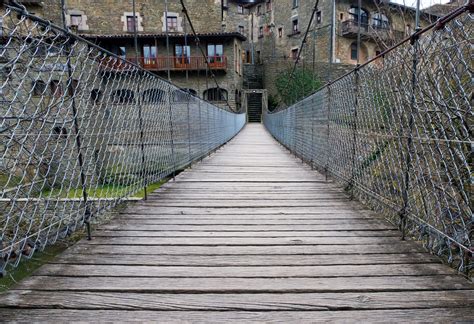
x,y
349,28
165,63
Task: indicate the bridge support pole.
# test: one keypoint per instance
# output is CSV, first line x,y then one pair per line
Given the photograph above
x,y
328,146
171,125
354,130
77,133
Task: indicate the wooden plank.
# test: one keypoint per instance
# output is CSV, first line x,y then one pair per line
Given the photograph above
x,y
242,241
131,220
251,228
250,233
245,285
439,315
293,271
239,302
84,247
244,260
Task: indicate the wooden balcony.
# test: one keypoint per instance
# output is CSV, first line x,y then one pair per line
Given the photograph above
x,y
177,63
349,28
165,63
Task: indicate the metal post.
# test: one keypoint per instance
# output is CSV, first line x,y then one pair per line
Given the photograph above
x,y
80,157
328,144
173,158
354,130
409,151
140,113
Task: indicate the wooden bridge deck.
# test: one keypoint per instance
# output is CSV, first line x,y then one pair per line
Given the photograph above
x,y
250,234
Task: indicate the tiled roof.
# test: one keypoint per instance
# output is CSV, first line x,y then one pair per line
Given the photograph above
x,y
163,35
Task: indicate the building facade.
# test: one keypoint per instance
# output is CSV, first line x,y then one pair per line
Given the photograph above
x,y
211,69
277,29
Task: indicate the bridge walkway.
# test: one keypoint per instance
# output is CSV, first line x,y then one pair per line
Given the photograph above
x,y
249,234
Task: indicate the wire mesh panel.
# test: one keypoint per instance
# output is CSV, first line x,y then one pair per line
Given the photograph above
x,y
397,132
82,129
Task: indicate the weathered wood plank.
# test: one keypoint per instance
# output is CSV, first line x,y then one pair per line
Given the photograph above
x,y
244,260
250,233
245,285
245,250
247,241
438,315
294,271
298,229
239,302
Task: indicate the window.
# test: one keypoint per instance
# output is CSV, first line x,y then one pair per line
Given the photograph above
x,y
240,9
120,51
259,57
215,94
318,17
76,20
182,54
39,87
341,16
215,53
182,95
364,15
191,91
123,96
260,32
295,3
354,51
280,32
295,26
60,132
242,30
153,96
56,88
172,23
149,54
380,21
73,87
269,5
294,53
130,24
259,10
1,26
96,95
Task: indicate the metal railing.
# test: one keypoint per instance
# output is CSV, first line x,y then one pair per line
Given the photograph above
x,y
397,132
77,138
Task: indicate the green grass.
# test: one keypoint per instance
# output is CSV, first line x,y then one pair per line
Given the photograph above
x,y
103,191
27,266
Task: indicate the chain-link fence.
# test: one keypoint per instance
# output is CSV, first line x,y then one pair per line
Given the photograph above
x,y
81,129
398,133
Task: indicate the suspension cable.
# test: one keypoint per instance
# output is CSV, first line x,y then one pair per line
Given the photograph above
x,y
198,43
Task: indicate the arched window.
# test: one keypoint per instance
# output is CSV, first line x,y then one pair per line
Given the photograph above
x,y
153,96
191,91
364,15
123,96
215,94
380,21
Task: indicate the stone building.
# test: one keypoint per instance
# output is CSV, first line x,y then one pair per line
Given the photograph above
x,y
277,28
165,40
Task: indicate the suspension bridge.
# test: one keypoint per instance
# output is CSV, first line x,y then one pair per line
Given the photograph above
x,y
353,204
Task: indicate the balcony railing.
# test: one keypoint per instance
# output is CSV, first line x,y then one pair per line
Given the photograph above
x,y
349,28
172,63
